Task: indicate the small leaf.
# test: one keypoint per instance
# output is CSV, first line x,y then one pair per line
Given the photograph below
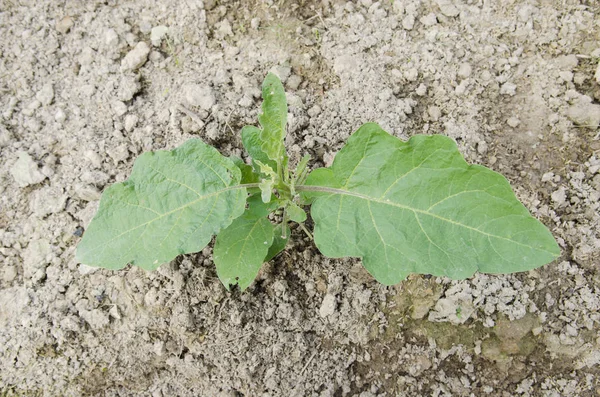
x,y
279,242
295,213
173,203
273,118
266,184
253,144
248,174
241,248
418,207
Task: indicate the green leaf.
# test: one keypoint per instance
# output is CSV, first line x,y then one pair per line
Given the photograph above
x,y
418,207
273,118
248,174
173,202
279,242
241,248
295,213
253,144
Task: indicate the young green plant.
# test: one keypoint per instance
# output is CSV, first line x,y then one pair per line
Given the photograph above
x,y
403,207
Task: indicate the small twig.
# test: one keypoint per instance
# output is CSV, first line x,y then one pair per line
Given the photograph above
x,y
194,116
227,124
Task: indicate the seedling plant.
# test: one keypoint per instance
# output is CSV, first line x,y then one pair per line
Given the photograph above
x,y
403,207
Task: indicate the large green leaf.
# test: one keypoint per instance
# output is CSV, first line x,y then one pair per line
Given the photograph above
x,y
173,203
241,248
418,207
273,118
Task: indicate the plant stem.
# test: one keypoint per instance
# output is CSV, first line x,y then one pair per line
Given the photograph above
x,y
309,234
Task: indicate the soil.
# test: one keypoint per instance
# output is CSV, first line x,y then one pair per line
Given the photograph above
x,y
515,83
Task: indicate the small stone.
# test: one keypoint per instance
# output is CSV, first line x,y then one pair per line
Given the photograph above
x,y
246,100
408,22
464,70
482,147
157,34
421,90
314,111
583,112
87,56
513,122
597,75
119,153
411,74
64,25
224,29
200,96
47,200
35,256
434,113
25,171
294,82
255,23
128,87
131,121
328,306
46,94
9,274
345,63
447,8
566,76
429,19
559,196
93,157
508,89
111,38
60,116
119,108
86,192
5,137
136,57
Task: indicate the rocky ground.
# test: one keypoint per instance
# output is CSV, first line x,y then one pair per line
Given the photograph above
x,y
85,87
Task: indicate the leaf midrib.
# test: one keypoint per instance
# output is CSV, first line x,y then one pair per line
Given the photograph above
x,y
181,208
324,189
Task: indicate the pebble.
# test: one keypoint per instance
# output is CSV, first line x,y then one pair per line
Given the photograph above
x,y
513,122
199,95
87,56
411,74
408,22
584,113
434,113
255,23
429,19
294,82
559,196
464,70
157,34
47,200
508,89
46,94
35,256
136,57
597,75
25,171
421,90
60,116
482,147
111,38
314,111
131,121
64,25
327,306
447,8
119,108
